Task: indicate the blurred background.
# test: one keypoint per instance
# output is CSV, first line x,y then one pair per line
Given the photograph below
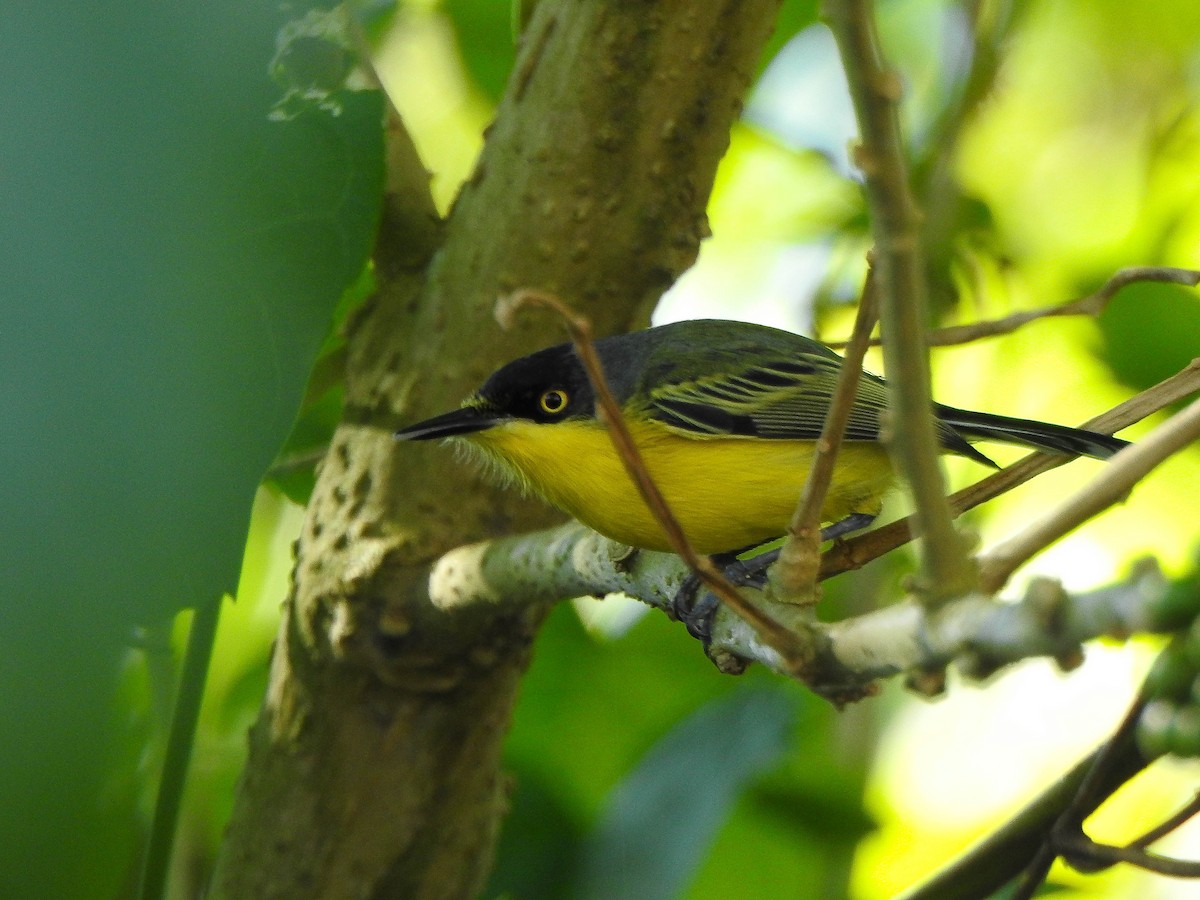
x,y
160,204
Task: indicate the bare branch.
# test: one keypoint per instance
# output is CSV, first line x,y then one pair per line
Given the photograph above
x,y
1091,305
793,577
1090,854
1001,856
858,551
978,632
900,268
1087,798
1111,485
1179,818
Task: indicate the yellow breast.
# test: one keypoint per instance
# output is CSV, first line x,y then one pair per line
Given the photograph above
x,y
726,492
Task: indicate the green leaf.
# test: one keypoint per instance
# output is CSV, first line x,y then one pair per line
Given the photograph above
x,y
485,40
294,469
539,844
825,811
1151,331
662,818
171,257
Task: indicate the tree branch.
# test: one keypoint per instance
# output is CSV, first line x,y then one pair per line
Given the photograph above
x,y
1001,856
900,269
374,767
1091,305
1099,855
980,633
1111,485
858,551
793,577
1118,755
1183,815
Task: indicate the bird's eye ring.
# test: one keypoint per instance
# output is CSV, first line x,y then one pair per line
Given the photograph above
x,y
553,401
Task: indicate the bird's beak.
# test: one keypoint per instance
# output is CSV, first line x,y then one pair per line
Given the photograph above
x,y
466,420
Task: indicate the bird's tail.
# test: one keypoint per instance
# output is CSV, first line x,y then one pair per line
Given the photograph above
x,y
977,426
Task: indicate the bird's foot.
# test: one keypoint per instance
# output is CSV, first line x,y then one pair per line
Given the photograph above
x,y
842,527
695,607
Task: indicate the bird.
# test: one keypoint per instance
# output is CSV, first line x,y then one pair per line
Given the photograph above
x,y
726,416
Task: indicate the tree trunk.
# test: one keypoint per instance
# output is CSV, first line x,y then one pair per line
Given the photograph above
x,y
374,767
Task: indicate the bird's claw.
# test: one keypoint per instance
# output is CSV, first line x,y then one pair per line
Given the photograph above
x,y
696,607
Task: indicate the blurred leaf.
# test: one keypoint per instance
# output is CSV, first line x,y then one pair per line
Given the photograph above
x,y
1151,331
484,32
821,809
794,17
662,818
376,16
627,705
294,469
171,260
587,709
539,843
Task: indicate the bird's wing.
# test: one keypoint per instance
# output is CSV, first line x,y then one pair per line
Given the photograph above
x,y
783,399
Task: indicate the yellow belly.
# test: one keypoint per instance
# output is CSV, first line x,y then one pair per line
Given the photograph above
x,y
726,492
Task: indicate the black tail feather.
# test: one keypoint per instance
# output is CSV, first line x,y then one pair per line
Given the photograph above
x,y
977,426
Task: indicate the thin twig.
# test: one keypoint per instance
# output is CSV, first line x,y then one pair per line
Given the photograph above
x,y
300,461
900,268
793,577
1160,831
1091,305
779,638
999,858
981,633
181,742
1114,756
1111,485
858,551
1094,856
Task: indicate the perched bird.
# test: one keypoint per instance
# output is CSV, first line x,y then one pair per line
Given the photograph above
x,y
726,416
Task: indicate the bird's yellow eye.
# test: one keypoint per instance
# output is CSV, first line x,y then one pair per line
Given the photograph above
x,y
553,401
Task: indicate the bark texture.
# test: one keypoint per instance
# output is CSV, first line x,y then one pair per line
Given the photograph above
x,y
374,767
